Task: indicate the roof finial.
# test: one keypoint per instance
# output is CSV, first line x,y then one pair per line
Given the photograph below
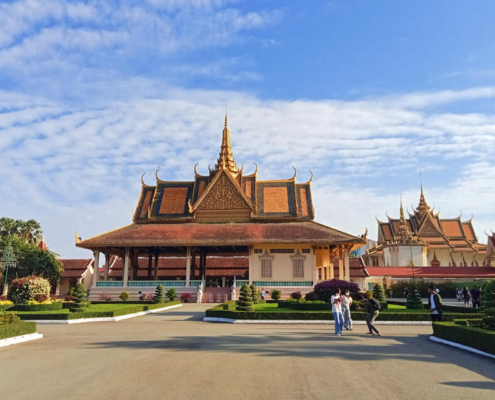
x,y
226,118
225,156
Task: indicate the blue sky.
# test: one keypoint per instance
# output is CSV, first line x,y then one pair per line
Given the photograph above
x,y
364,93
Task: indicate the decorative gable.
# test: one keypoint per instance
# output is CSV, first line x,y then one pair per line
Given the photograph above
x,y
428,228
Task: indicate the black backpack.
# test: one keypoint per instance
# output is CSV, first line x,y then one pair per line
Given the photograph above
x,y
376,305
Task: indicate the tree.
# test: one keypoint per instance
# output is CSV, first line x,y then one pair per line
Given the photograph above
x,y
28,230
255,294
159,294
325,290
245,302
276,294
81,303
378,293
31,260
414,301
171,293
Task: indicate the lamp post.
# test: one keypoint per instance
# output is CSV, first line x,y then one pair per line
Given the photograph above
x,y
8,260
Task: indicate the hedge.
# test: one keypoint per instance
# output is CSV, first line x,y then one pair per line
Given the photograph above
x,y
326,316
480,339
6,307
97,314
445,308
38,307
17,329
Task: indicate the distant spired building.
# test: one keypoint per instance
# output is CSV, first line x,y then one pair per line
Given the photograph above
x,y
431,247
222,230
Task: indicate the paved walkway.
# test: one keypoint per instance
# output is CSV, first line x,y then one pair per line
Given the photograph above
x,y
173,355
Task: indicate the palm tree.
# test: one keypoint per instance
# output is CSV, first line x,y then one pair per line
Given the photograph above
x,y
28,230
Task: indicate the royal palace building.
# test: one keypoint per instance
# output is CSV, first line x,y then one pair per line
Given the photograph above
x,y
210,235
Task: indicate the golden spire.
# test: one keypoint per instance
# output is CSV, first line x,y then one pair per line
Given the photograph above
x,y
225,158
423,206
404,234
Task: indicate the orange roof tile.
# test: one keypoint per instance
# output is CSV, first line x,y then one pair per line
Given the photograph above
x,y
452,228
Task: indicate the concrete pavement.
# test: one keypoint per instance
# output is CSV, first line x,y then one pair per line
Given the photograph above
x,y
173,355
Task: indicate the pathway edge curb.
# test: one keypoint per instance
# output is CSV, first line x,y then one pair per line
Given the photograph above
x,y
461,346
307,322
20,339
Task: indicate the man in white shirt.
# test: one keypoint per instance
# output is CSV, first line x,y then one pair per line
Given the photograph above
x,y
434,304
336,301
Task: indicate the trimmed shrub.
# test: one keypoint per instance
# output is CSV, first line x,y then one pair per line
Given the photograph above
x,y
229,305
378,293
159,294
171,293
147,297
24,289
296,295
255,294
185,297
245,302
70,298
325,290
81,303
481,339
311,296
40,297
8,318
38,307
414,301
276,294
488,294
105,297
124,296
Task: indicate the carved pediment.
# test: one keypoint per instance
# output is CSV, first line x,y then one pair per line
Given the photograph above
x,y
223,195
428,228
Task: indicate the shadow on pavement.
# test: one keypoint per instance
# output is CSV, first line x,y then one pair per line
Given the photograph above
x,y
472,385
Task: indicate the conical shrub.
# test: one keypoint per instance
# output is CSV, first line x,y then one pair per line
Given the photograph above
x,y
488,294
255,294
378,293
159,294
245,302
414,301
81,303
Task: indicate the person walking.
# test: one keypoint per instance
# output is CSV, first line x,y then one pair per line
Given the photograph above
x,y
346,310
466,296
372,307
476,296
434,304
262,294
336,301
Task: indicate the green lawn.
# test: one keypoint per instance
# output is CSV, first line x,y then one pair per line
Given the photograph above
x,y
93,308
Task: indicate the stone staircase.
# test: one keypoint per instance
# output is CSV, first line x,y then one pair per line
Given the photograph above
x,y
216,295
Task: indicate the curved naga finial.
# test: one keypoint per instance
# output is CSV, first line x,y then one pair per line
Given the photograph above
x,y
142,181
196,172
78,238
311,179
240,170
388,216
365,236
156,173
256,171
295,174
460,216
209,169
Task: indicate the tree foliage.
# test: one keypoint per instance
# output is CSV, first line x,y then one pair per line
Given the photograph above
x,y
81,303
245,302
29,230
31,260
378,293
159,294
414,301
325,290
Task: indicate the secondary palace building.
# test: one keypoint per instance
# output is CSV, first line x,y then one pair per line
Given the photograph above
x,y
210,235
427,246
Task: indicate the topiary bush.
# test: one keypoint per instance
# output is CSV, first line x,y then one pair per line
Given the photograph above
x,y
296,295
124,296
171,293
24,289
414,301
255,294
81,303
325,290
488,294
159,294
378,293
185,297
311,296
276,294
245,302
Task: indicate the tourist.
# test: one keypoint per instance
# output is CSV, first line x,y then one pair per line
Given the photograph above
x,y
406,292
346,310
336,301
466,296
434,304
262,294
372,307
476,296
458,294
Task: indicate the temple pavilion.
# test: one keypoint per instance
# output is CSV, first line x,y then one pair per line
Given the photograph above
x,y
221,230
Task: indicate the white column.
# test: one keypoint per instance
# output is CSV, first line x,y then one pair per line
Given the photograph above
x,y
126,267
96,264
315,269
188,267
346,265
107,265
341,264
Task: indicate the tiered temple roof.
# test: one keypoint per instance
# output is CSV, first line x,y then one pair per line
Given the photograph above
x,y
201,212
428,228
